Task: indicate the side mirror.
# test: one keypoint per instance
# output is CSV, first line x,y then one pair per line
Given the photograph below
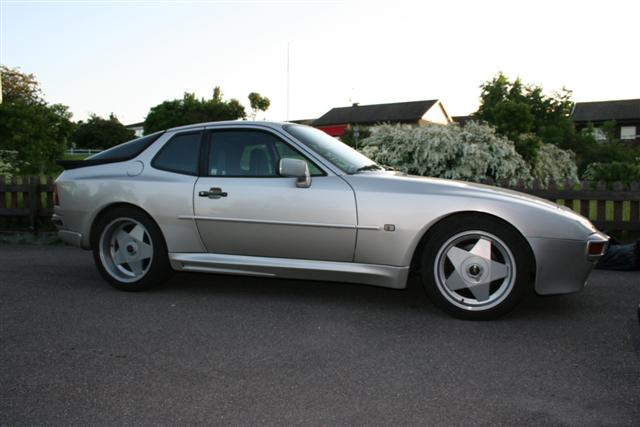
x,y
296,168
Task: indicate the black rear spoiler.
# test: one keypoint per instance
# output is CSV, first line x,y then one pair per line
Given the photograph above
x,y
75,164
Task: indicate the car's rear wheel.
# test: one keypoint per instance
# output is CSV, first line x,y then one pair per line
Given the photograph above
x,y
475,267
129,249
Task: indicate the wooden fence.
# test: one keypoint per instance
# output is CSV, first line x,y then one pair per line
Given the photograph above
x,y
609,207
29,197
616,208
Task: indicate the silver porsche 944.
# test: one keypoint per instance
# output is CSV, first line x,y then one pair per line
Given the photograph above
x,y
286,200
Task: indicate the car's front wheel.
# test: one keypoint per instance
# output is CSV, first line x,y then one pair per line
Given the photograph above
x,y
129,249
475,267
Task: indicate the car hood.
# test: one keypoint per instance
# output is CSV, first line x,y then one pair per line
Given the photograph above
x,y
399,182
450,186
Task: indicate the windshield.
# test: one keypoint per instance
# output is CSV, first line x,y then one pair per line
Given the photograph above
x,y
338,153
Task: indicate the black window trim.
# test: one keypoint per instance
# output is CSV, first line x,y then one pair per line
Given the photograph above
x,y
166,144
208,141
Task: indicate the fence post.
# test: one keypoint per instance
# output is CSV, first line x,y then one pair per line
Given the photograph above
x,y
567,186
584,204
2,192
33,201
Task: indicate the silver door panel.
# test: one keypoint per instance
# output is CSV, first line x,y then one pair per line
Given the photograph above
x,y
272,217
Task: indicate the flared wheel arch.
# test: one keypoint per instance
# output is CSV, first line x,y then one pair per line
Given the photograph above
x,y
94,238
459,216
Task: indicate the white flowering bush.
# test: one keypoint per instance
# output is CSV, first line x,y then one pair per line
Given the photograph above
x,y
8,163
553,164
470,153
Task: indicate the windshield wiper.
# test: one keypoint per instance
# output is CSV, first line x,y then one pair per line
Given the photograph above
x,y
371,167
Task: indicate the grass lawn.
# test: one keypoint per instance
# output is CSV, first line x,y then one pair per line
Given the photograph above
x,y
608,209
75,156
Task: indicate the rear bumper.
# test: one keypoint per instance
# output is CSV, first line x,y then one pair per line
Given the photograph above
x,y
563,266
71,237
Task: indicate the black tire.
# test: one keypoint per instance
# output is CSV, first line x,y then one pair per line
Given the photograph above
x,y
507,247
157,269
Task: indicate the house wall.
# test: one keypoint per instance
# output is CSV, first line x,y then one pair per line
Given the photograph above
x,y
436,114
617,129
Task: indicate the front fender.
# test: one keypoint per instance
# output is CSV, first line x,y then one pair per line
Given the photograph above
x,y
413,206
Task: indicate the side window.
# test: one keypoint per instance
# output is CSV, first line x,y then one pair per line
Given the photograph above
x,y
285,151
180,154
249,153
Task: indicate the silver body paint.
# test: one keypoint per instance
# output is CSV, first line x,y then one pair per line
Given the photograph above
x,y
333,230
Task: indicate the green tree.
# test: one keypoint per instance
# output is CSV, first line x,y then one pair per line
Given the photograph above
x,y
189,110
258,103
525,115
101,133
19,86
37,131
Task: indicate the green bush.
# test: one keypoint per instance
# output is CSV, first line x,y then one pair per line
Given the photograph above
x,y
99,133
625,172
36,130
8,163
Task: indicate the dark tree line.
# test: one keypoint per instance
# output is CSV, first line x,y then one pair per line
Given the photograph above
x,y
529,118
37,133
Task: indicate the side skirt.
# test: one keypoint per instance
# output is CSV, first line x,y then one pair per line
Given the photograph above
x,y
377,275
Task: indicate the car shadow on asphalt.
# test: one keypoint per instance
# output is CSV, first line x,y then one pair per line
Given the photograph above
x,y
356,295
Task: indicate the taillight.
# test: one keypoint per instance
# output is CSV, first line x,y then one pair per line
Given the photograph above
x,y
56,198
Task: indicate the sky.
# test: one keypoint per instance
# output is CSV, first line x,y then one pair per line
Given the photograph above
x,y
127,56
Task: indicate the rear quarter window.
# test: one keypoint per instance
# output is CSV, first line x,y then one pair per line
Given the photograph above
x,y
180,154
127,150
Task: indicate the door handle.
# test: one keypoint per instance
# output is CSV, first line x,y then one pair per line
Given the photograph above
x,y
213,193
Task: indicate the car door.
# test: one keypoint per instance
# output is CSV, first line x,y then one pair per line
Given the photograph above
x,y
243,207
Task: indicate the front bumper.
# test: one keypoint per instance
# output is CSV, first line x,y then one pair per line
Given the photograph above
x,y
563,266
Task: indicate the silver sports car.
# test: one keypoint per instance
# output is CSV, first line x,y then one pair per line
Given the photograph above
x,y
286,200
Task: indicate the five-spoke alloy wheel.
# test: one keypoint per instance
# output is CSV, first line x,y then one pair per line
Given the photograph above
x,y
475,267
129,249
126,250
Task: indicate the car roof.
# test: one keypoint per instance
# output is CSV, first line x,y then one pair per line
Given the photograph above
x,y
231,122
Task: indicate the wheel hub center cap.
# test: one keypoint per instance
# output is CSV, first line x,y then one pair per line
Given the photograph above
x,y
475,270
131,248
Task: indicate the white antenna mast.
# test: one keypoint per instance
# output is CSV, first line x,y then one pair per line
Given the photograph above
x,y
287,81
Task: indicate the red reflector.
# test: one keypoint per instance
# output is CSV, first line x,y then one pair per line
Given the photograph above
x,y
596,248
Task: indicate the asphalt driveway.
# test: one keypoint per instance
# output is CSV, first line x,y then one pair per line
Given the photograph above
x,y
232,350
